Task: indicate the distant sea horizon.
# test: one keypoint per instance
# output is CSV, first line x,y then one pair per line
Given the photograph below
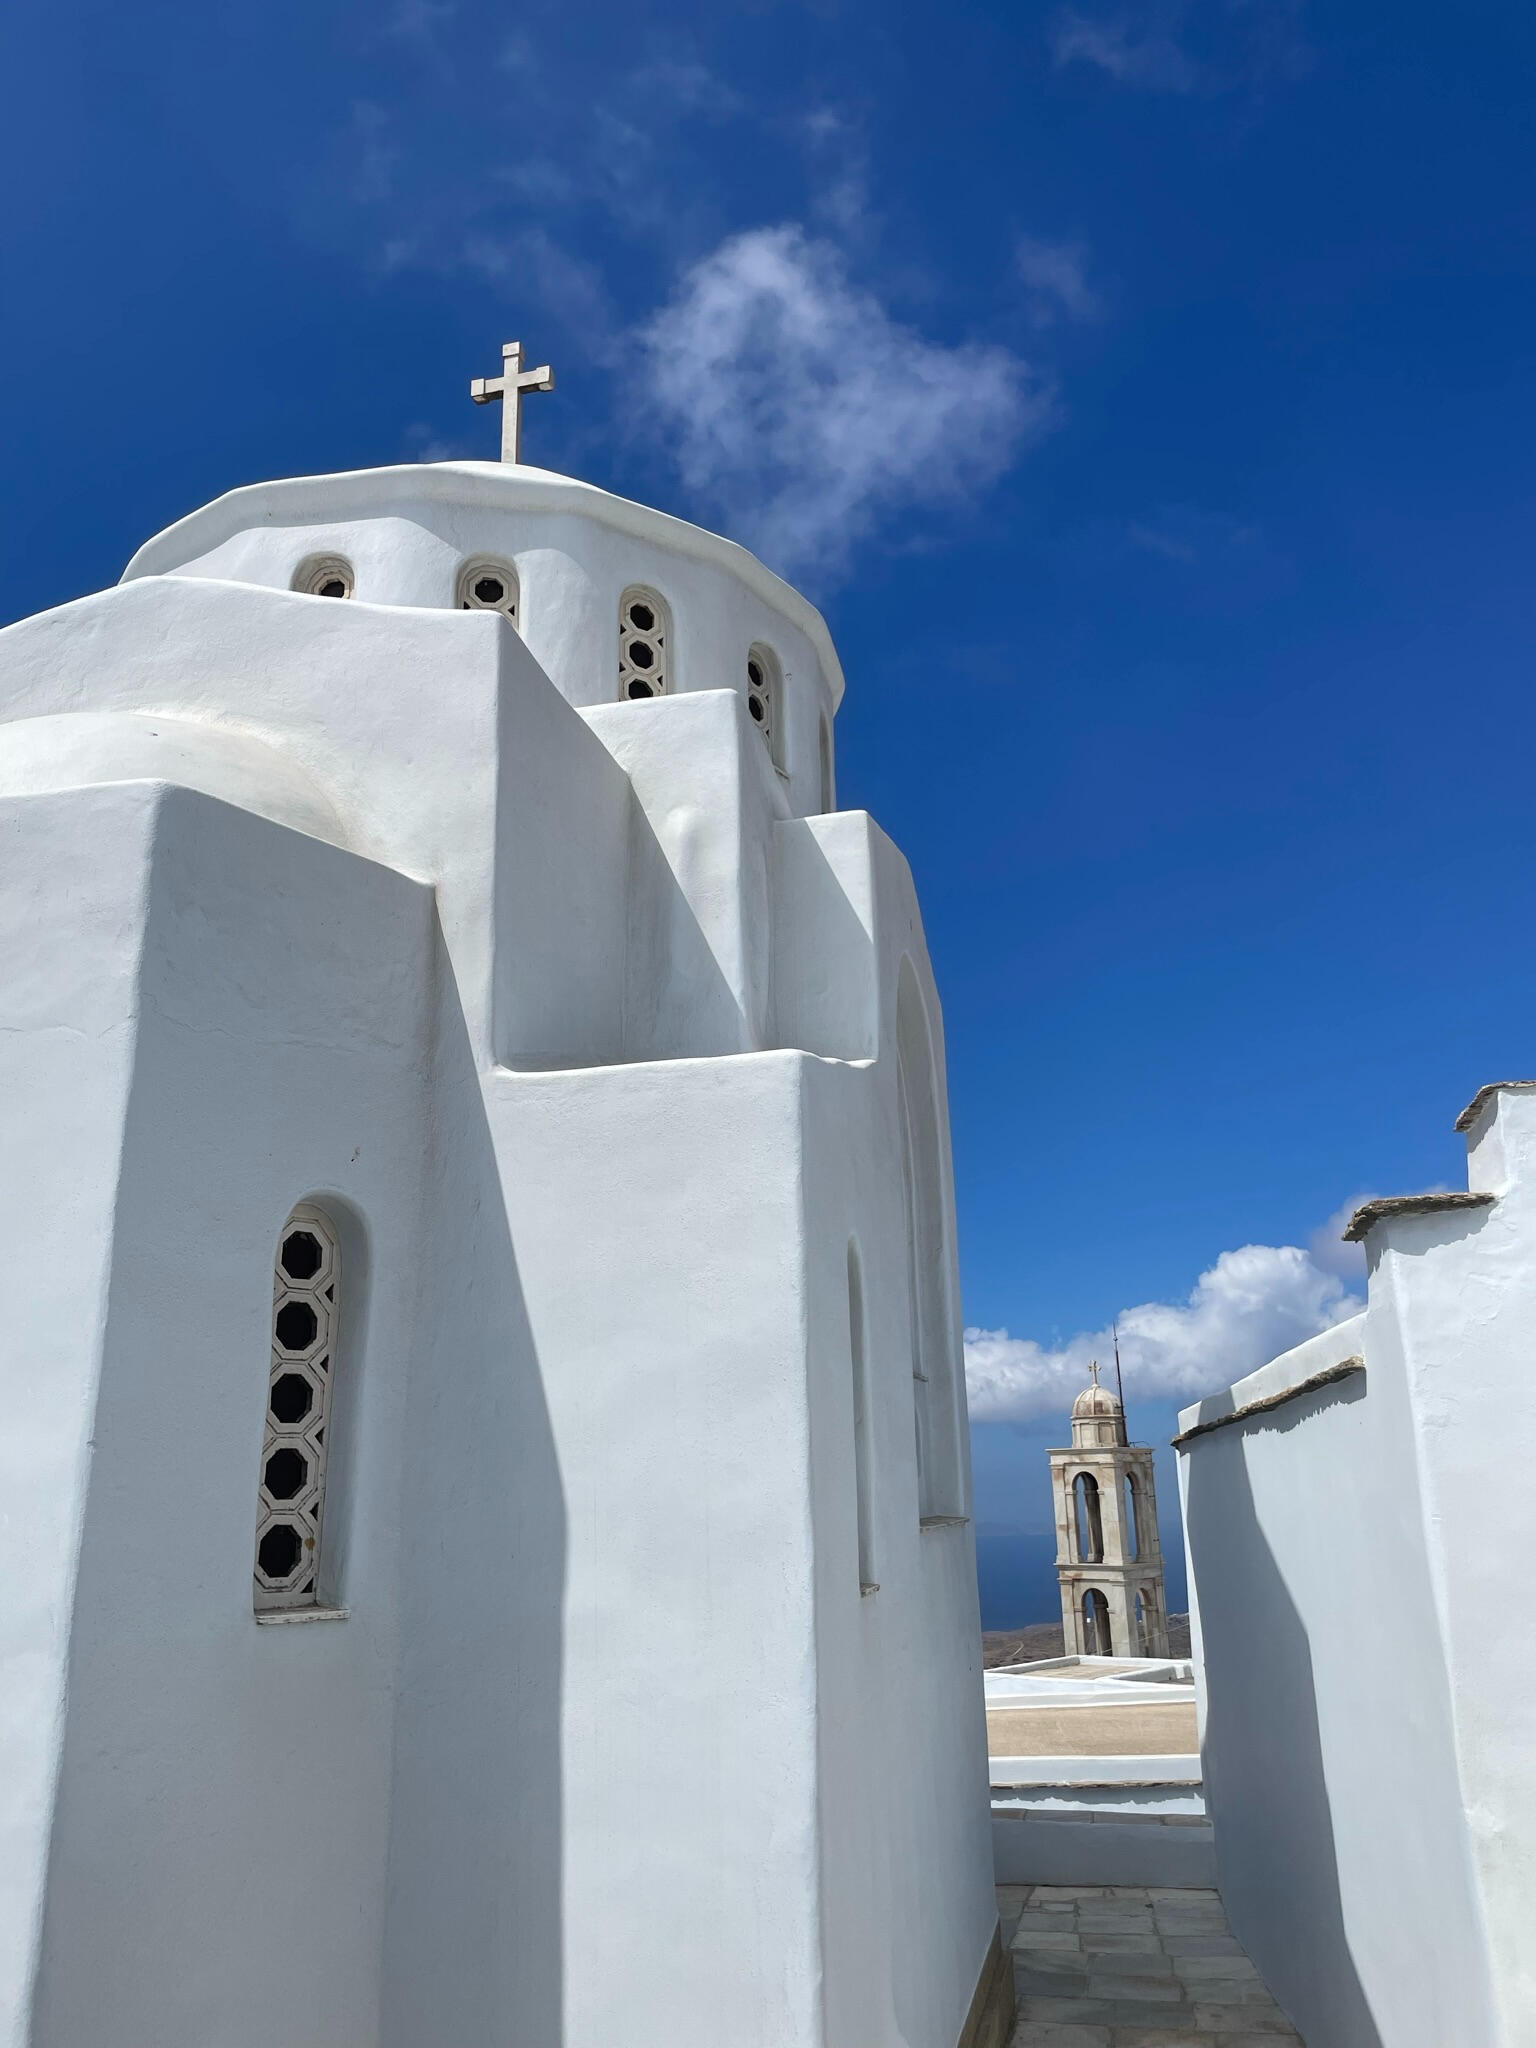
x,y
1016,1570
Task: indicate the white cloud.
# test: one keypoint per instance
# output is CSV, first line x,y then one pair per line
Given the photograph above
x,y
1057,276
1149,56
837,153
562,284
1239,41
798,408
690,86
1252,1304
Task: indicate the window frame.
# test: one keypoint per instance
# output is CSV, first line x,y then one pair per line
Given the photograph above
x,y
307,1434
322,568
469,573
658,636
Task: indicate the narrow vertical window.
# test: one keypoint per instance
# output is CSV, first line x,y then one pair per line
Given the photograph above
x,y
828,786
922,1420
306,1298
765,700
1132,1523
936,1389
862,1453
645,655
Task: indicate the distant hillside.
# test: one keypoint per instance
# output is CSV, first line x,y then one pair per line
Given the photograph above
x,y
1044,1639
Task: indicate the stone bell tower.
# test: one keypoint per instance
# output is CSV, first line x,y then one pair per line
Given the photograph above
x,y
1108,1555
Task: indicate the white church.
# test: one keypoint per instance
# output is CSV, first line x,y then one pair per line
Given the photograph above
x,y
486,1542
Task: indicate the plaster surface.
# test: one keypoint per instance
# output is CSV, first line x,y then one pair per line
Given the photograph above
x,y
1366,1701
617,1063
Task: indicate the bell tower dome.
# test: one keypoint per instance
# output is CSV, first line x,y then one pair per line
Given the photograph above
x,y
1109,1557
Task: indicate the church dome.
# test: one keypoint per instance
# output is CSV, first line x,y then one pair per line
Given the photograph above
x,y
1094,1401
1098,1421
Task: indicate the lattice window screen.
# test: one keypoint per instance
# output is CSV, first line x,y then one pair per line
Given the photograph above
x,y
764,690
643,652
306,1296
488,586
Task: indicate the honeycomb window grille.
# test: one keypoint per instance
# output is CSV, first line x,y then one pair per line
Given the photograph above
x,y
765,699
488,586
325,576
645,655
306,1301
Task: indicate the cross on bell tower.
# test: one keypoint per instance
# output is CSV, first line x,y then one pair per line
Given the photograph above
x,y
509,388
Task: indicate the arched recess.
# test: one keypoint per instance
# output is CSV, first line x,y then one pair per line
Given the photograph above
x,y
1132,1518
863,1439
1087,1512
1096,1638
935,1345
1143,1620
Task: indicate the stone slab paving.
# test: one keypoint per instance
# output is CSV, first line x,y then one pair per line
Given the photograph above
x,y
1125,1966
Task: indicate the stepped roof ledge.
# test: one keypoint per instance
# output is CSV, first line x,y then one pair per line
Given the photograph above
x,y
494,486
1485,1095
1389,1206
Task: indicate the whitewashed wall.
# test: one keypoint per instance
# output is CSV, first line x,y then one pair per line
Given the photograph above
x,y
222,1788
1354,1553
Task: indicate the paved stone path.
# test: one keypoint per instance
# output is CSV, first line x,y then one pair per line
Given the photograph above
x,y
1121,1966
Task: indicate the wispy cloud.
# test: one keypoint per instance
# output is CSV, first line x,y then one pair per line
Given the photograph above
x,y
1184,46
418,21
1146,53
1254,1303
367,154
420,24
798,407
562,284
1056,276
1154,542
1216,541
837,154
423,443
687,85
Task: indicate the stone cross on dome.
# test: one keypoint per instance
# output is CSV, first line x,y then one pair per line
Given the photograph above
x,y
509,388
1094,1369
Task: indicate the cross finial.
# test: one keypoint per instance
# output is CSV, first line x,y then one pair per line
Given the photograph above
x,y
509,388
1094,1369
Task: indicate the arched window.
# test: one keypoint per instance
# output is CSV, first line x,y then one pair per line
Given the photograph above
x,y
645,650
935,1378
325,576
765,699
1088,1515
863,1457
1096,1641
486,585
1132,1521
828,786
1143,1624
306,1301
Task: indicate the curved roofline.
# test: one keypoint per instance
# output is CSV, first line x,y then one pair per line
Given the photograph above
x,y
511,487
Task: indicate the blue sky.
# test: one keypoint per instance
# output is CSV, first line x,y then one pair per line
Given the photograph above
x,y
1146,394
